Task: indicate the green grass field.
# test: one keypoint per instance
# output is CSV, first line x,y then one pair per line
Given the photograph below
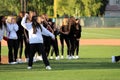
x,y
94,63
101,33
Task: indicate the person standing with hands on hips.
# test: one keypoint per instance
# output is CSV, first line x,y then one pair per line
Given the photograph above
x,y
35,32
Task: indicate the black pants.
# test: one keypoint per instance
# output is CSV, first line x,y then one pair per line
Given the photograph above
x,y
55,49
38,47
47,43
72,48
20,45
117,58
12,50
66,38
77,46
27,48
0,51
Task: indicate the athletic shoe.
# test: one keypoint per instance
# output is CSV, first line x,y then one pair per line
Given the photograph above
x,y
57,58
19,61
73,57
48,68
76,57
113,59
29,67
70,57
13,63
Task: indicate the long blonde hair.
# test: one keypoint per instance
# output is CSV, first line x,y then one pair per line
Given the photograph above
x,y
9,19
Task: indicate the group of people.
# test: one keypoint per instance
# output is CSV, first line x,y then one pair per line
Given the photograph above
x,y
39,34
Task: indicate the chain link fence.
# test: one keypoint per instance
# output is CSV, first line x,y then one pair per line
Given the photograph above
x,y
95,21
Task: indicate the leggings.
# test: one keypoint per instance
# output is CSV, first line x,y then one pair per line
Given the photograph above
x,y
55,49
38,47
12,50
20,45
77,46
66,38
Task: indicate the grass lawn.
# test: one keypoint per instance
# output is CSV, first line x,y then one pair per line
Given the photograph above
x,y
101,33
94,64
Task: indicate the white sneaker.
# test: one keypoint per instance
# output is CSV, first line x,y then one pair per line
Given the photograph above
x,y
29,67
19,61
57,58
70,57
76,57
51,57
48,68
13,63
73,57
113,59
62,57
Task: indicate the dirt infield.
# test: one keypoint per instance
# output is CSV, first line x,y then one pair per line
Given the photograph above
x,y
113,42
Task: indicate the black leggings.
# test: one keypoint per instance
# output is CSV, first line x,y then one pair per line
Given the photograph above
x,y
66,38
27,47
38,47
72,48
55,49
13,50
47,43
20,45
77,46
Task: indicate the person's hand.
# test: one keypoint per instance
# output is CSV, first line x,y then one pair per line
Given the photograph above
x,y
26,14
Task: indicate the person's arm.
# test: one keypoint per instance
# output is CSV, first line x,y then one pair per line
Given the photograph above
x,y
9,27
23,22
15,27
46,32
48,26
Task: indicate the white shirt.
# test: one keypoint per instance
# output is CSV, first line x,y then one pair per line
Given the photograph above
x,y
11,31
35,38
2,32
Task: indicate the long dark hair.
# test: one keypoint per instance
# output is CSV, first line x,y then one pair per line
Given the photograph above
x,y
1,22
35,24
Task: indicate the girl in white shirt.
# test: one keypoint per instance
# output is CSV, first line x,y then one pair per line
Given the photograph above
x,y
2,30
12,28
35,31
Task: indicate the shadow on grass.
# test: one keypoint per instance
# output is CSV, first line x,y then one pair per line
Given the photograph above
x,y
85,63
79,64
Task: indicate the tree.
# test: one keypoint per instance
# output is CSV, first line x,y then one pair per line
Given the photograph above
x,y
9,7
41,6
70,7
79,7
